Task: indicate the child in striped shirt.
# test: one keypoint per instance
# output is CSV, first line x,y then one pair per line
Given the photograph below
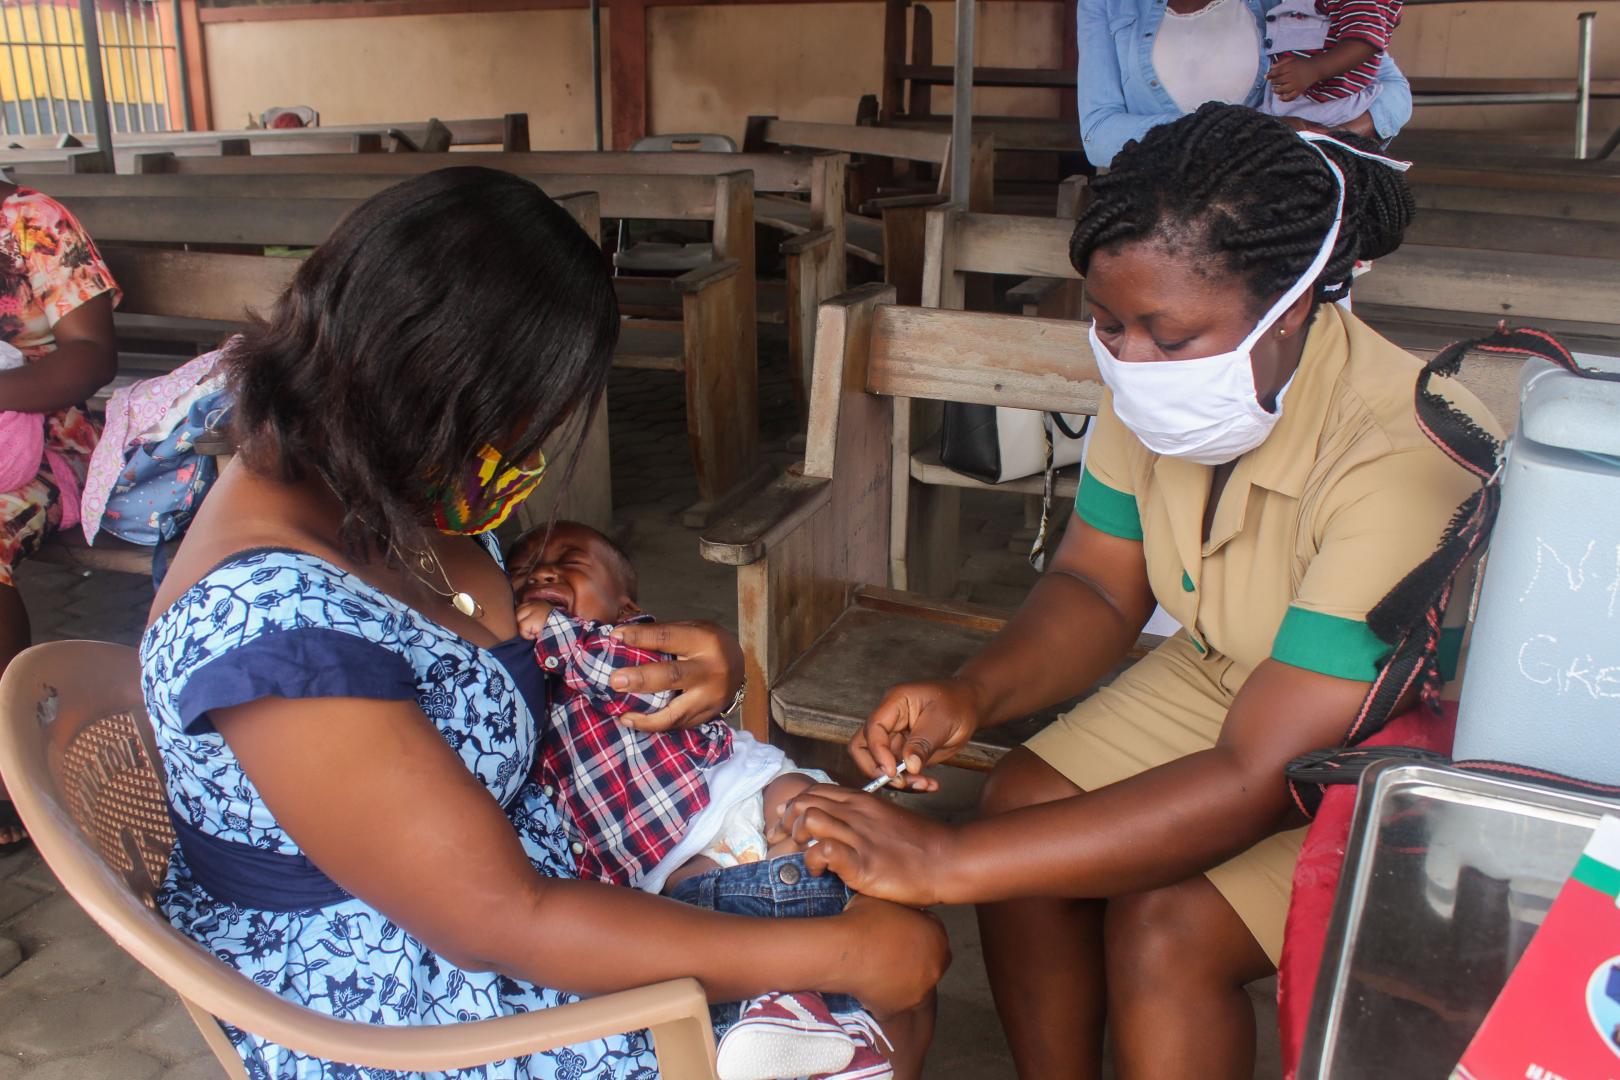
x,y
1324,57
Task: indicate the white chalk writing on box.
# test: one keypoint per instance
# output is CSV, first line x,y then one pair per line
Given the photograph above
x,y
1542,658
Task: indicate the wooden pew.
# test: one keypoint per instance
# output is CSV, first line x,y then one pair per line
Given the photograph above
x,y
129,156
926,510
509,133
1424,297
807,205
712,344
884,231
819,623
177,219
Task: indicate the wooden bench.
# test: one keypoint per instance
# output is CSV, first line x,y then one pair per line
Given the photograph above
x,y
127,156
44,152
926,511
1424,297
807,206
712,344
509,133
809,185
884,230
822,629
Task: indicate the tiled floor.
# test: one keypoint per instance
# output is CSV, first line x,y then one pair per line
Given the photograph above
x,y
76,1007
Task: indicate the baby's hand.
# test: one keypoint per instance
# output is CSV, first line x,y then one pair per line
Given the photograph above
x,y
531,618
1292,76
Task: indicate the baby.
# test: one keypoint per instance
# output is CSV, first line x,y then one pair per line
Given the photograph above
x,y
1324,57
677,812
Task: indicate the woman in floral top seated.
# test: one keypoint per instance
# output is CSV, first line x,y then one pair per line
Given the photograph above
x,y
56,302
346,714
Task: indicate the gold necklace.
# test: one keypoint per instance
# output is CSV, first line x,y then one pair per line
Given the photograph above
x,y
427,559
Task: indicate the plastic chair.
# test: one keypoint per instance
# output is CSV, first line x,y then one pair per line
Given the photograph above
x,y
306,116
77,753
652,257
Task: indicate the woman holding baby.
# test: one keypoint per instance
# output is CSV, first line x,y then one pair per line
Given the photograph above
x,y
1321,63
346,713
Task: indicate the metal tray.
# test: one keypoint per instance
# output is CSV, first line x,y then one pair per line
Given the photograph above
x,y
1447,875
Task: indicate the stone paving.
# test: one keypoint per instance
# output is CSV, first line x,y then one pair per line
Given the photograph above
x,y
73,1006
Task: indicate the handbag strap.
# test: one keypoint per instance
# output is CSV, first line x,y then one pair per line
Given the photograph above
x,y
1408,618
1345,764
1049,420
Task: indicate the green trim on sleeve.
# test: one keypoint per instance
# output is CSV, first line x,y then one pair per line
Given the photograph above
x,y
1107,509
1329,645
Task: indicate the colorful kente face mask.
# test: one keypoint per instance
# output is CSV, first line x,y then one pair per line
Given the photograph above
x,y
482,497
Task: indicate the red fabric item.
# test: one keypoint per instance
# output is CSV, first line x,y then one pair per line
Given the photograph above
x,y
1316,878
286,120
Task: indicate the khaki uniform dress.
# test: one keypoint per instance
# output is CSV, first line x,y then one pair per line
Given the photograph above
x,y
1315,525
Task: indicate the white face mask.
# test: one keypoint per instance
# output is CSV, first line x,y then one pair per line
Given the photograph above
x,y
1208,410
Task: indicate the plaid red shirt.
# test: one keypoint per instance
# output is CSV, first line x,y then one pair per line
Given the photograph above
x,y
627,796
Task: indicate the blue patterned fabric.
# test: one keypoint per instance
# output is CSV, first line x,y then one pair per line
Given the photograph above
x,y
285,623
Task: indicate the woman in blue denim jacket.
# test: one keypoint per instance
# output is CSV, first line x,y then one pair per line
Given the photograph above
x,y
1123,93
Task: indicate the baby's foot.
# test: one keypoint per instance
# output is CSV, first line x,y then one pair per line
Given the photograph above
x,y
781,1036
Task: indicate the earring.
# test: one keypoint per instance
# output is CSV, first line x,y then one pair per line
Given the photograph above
x,y
1282,333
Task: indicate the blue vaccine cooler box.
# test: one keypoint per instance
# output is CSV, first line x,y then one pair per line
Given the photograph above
x,y
1542,684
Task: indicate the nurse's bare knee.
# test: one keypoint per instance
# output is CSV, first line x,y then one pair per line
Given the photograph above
x,y
1181,938
1022,779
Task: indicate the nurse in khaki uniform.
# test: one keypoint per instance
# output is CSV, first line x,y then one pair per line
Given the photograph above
x,y
1256,469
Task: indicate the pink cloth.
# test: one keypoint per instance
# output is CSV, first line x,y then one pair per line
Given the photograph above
x,y
22,450
131,412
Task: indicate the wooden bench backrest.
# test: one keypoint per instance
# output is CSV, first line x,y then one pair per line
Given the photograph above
x,y
958,243
1524,286
1517,285
510,132
250,221
133,157
898,144
777,173
1489,199
1528,179
939,355
930,147
196,285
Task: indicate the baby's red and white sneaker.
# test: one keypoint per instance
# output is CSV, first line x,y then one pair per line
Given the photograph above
x,y
781,1036
868,1062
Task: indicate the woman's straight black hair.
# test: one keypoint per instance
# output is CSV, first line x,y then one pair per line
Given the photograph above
x,y
1243,188
458,309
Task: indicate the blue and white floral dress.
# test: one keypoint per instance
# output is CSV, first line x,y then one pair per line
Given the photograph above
x,y
282,623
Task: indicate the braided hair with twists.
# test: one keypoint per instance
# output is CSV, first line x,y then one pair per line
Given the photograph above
x,y
1242,187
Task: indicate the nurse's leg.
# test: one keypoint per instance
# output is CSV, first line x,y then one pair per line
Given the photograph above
x,y
1178,960
1044,957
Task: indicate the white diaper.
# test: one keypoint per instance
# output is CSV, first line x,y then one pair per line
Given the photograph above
x,y
741,838
731,829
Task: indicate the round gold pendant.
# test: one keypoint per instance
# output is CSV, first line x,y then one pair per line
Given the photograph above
x,y
469,607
